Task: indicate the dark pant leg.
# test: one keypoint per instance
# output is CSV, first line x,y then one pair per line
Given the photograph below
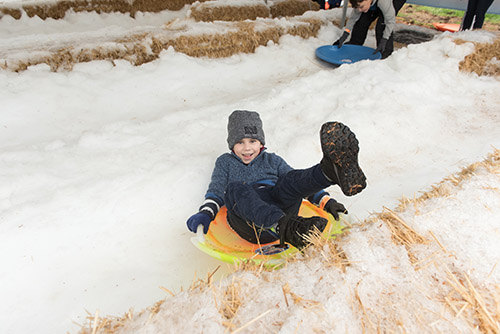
x,y
360,29
470,13
482,8
252,204
297,184
251,212
249,231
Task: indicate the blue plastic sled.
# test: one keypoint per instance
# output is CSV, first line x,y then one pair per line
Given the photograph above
x,y
347,54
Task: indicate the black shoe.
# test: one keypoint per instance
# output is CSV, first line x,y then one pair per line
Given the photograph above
x,y
293,229
340,158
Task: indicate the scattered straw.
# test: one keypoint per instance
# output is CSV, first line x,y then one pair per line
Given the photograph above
x,y
285,288
298,300
366,318
95,322
438,242
167,290
401,233
485,60
467,296
230,302
250,322
328,248
446,187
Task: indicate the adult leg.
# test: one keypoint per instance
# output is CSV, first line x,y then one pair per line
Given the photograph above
x,y
470,13
482,8
360,29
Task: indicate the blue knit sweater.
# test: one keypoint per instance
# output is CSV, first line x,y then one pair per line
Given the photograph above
x,y
266,168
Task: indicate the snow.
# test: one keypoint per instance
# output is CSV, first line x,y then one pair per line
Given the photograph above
x,y
101,167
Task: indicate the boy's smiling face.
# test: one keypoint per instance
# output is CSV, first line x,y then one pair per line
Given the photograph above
x,y
247,149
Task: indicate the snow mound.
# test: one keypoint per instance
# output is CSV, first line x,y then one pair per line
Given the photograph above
x,y
390,273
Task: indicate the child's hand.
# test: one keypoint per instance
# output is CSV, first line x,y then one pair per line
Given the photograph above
x,y
342,39
381,46
201,218
334,207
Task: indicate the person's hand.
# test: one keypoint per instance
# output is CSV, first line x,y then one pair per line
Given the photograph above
x,y
381,46
200,218
334,207
342,39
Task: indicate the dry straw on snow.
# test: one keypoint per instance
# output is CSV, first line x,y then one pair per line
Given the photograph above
x,y
477,306
485,60
463,298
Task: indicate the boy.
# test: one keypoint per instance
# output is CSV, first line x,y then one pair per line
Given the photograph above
x,y
263,193
362,16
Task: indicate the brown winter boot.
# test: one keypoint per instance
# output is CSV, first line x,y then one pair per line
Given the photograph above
x,y
340,158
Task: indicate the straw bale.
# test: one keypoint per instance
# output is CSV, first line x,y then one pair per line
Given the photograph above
x,y
485,60
309,28
58,9
293,8
143,48
245,40
205,12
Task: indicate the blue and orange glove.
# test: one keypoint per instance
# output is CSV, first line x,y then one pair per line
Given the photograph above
x,y
333,207
201,218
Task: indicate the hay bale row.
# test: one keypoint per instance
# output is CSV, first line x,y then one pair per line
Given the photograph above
x,y
292,8
200,12
212,11
144,48
58,9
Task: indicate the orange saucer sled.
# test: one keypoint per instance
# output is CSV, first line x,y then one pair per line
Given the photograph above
x,y
222,243
451,27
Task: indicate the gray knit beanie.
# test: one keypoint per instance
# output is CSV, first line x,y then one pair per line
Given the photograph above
x,y
244,124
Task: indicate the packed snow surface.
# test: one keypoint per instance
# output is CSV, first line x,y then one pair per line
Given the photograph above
x,y
101,166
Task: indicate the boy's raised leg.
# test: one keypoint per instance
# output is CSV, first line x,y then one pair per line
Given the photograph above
x,y
340,158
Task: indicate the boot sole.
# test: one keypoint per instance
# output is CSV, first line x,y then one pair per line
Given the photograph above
x,y
340,146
